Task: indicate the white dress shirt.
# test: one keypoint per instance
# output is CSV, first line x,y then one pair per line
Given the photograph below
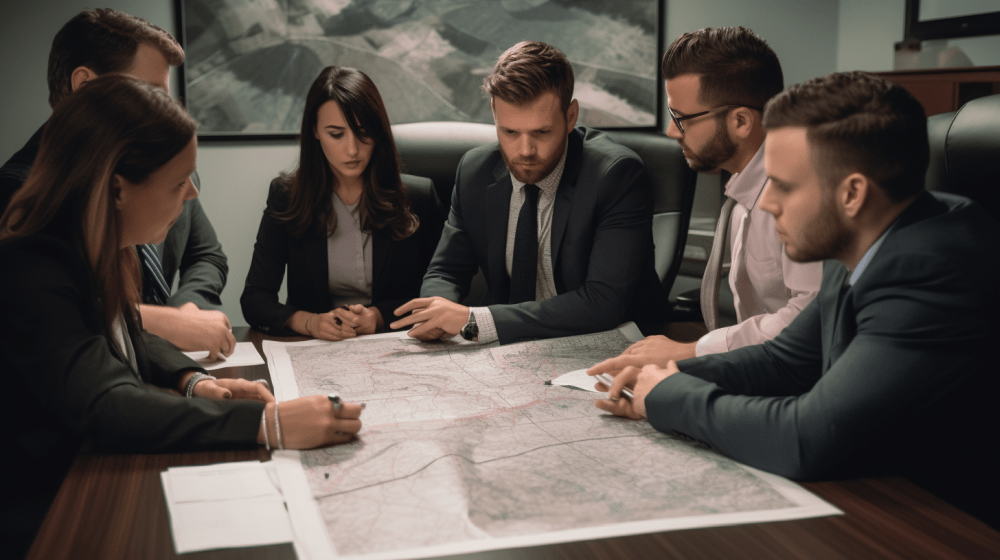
x,y
769,290
545,282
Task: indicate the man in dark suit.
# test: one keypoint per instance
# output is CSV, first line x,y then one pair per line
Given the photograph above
x,y
103,41
558,218
888,370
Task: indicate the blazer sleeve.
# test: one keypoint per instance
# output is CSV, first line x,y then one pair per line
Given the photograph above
x,y
454,263
259,301
918,336
203,266
615,267
52,335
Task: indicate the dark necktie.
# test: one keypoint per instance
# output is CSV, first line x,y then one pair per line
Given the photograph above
x,y
154,287
524,267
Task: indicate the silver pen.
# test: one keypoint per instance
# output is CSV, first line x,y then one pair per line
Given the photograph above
x,y
608,380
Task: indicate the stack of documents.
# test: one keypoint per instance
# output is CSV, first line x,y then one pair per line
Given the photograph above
x,y
223,506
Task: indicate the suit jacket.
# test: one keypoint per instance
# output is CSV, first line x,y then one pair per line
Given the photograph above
x,y
602,243
69,383
191,247
397,266
889,376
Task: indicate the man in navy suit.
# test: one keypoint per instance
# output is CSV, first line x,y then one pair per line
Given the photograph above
x,y
558,218
889,369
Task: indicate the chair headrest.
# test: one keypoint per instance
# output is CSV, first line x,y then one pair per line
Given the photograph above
x,y
973,151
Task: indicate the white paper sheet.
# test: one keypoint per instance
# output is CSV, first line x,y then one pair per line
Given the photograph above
x,y
244,355
223,506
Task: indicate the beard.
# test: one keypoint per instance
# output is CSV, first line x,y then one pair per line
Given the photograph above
x,y
718,151
825,237
540,168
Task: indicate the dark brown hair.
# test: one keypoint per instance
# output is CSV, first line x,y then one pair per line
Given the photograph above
x,y
104,41
736,66
529,69
384,200
858,122
116,124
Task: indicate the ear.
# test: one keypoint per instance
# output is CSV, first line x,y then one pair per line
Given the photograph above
x,y
852,193
571,115
80,76
316,132
118,190
743,121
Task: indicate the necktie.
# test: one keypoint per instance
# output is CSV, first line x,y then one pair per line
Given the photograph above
x,y
154,287
713,270
524,267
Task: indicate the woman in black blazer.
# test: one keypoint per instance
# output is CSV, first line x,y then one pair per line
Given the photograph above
x,y
354,234
113,171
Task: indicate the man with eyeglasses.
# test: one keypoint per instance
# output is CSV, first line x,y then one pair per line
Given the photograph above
x,y
717,82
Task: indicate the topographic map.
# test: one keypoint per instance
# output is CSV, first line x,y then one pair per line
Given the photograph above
x,y
465,447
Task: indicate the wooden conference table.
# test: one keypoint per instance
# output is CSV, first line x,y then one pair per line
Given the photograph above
x,y
112,507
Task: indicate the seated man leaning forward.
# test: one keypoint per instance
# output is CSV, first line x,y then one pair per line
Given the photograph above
x,y
558,218
887,370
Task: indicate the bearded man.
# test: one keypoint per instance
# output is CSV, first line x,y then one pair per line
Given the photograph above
x,y
559,219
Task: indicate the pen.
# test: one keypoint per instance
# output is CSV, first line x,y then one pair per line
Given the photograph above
x,y
337,319
608,380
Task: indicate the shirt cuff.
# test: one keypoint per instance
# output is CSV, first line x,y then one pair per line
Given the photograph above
x,y
712,343
487,328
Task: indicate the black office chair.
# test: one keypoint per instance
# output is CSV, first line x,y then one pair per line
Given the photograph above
x,y
965,151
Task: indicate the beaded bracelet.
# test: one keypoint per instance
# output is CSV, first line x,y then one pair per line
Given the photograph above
x,y
263,425
198,376
277,425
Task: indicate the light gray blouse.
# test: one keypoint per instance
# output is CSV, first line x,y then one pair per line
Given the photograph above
x,y
349,258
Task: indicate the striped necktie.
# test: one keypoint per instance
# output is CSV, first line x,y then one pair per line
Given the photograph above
x,y
154,287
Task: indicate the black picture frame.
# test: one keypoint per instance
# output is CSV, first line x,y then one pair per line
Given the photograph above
x,y
949,28
191,18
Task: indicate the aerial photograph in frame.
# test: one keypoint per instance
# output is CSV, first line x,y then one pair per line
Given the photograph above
x,y
250,62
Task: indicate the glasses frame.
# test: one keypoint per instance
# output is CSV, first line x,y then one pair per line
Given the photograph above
x,y
678,120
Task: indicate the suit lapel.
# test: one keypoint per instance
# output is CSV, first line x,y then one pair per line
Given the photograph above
x,y
830,300
314,247
498,208
564,196
381,247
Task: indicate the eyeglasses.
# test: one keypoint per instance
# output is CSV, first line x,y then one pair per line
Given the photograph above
x,y
678,120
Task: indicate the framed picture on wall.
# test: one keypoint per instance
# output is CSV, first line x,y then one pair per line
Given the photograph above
x,y
250,62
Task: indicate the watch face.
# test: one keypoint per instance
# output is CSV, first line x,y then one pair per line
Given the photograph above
x,y
470,332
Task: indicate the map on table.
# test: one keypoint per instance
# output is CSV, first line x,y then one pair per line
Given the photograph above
x,y
464,448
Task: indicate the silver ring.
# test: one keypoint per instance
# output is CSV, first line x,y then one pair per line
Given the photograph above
x,y
262,382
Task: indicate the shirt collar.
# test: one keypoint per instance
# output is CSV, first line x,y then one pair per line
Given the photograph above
x,y
747,185
867,258
551,181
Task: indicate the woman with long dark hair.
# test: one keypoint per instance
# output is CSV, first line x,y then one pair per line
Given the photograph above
x,y
355,235
113,171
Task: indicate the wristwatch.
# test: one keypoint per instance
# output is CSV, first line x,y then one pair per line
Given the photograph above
x,y
471,330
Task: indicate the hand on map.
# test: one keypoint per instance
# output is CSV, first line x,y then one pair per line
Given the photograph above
x,y
331,326
658,350
364,320
310,422
434,317
227,388
641,381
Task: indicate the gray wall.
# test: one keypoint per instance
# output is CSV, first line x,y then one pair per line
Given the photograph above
x,y
235,175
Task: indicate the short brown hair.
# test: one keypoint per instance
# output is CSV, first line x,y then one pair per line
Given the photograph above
x,y
529,69
105,41
736,66
858,122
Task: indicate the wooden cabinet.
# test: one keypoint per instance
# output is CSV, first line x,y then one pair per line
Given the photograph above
x,y
946,89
